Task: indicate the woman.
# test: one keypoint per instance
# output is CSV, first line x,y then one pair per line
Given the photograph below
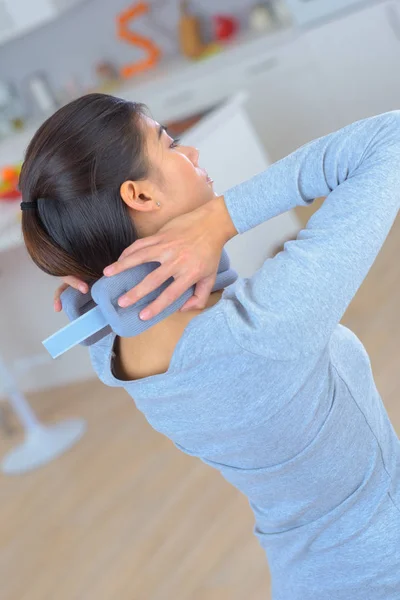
x,y
260,381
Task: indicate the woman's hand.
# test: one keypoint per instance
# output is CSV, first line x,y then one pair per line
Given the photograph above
x,y
74,282
189,249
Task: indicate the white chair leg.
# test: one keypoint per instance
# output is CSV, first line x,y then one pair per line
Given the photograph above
x,y
42,443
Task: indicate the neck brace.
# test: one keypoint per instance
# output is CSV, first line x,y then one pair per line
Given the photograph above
x,y
96,314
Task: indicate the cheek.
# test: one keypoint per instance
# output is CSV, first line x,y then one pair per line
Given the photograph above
x,y
185,181
186,188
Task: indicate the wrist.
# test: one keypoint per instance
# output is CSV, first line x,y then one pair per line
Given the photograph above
x,y
222,219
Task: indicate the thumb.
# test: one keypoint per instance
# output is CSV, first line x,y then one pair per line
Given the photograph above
x,y
201,294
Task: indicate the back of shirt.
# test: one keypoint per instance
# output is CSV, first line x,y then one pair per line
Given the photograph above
x,y
267,387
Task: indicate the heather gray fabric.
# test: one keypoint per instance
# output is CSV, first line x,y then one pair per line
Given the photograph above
x,y
125,321
267,387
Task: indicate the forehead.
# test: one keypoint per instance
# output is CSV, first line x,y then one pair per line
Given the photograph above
x,y
155,150
151,127
153,134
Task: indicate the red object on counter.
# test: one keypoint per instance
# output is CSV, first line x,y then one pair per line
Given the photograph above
x,y
9,177
10,196
224,26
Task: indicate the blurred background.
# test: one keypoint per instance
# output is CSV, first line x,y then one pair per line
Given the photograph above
x,y
94,504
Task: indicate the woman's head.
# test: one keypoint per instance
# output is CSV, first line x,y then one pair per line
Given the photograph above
x,y
98,168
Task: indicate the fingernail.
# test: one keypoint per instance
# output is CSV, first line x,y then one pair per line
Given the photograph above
x,y
123,302
145,314
108,271
83,289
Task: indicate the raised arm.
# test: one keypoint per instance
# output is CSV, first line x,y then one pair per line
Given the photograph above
x,y
293,302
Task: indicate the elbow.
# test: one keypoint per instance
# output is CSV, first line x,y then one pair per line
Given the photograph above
x,y
391,126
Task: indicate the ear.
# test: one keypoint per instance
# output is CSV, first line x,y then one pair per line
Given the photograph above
x,y
136,195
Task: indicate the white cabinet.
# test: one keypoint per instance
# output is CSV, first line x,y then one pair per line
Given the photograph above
x,y
20,16
357,60
314,11
287,106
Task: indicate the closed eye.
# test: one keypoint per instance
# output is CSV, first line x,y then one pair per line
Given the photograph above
x,y
175,143
163,128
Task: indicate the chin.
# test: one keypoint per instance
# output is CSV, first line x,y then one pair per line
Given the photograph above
x,y
205,195
211,193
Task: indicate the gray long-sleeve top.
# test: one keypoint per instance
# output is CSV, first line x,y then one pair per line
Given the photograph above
x,y
268,387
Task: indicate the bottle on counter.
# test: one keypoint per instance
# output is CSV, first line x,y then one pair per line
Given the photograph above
x,y
41,93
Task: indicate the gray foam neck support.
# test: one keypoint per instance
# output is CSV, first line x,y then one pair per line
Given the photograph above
x,y
97,313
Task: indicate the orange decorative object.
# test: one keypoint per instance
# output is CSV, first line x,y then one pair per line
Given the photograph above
x,y
9,176
125,33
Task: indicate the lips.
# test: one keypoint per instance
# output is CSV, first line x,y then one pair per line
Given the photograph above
x,y
207,177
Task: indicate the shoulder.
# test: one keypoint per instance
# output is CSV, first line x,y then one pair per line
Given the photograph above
x,y
259,321
101,354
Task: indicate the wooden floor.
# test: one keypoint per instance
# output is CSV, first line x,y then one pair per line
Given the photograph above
x,y
125,516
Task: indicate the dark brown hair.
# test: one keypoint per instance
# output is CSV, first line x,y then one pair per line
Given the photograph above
x,y
74,167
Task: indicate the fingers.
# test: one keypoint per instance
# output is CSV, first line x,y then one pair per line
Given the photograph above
x,y
131,260
169,295
76,283
150,282
187,306
201,295
204,289
57,294
69,281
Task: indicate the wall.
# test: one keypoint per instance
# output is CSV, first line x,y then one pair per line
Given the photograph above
x,y
86,34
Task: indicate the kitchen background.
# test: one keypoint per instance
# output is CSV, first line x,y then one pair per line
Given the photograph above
x,y
72,45
246,82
